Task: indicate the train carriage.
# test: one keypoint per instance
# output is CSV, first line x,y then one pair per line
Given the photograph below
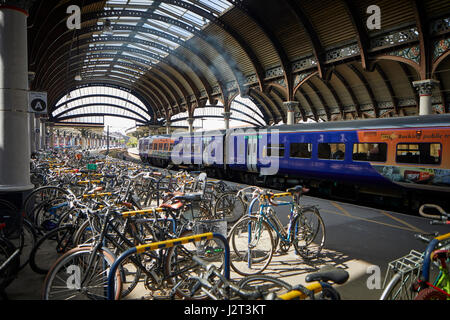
x,y
405,157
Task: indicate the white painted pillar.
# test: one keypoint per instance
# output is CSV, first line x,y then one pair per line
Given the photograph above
x,y
191,124
226,119
14,123
290,107
425,88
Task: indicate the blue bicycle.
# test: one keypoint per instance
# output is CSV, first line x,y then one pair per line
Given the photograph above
x,y
255,237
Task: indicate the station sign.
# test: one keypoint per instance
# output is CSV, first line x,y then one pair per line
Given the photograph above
x,y
37,102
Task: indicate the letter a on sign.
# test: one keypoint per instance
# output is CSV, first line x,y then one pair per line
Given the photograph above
x,y
37,102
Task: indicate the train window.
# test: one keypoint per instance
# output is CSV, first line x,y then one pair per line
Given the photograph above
x,y
165,146
300,150
376,152
275,150
331,151
419,153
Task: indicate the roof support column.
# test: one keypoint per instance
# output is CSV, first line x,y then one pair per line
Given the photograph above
x,y
168,127
191,124
14,117
425,88
290,107
226,118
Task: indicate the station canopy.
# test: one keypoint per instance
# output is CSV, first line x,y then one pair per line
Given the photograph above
x,y
165,61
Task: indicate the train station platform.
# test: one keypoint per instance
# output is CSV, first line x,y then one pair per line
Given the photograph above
x,y
360,240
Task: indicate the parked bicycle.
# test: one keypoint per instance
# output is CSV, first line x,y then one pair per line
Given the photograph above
x,y
254,238
408,276
216,286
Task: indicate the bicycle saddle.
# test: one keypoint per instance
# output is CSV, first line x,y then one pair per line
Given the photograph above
x,y
297,189
195,196
336,275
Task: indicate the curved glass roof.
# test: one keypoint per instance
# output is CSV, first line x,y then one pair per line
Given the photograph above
x,y
243,113
99,100
146,41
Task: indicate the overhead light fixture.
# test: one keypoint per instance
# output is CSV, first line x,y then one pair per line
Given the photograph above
x,y
78,77
107,28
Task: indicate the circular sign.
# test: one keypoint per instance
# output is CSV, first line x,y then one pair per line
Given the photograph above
x,y
38,105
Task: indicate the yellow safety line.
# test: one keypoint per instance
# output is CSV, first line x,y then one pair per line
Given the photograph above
x,y
368,220
344,211
173,242
402,222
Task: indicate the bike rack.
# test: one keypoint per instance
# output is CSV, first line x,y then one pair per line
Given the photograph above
x,y
164,245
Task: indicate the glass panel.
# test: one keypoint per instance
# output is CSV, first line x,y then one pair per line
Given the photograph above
x,y
419,153
369,152
275,150
331,151
300,150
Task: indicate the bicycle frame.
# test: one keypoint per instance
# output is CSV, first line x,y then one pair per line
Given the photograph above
x,y
262,214
263,217
442,282
164,245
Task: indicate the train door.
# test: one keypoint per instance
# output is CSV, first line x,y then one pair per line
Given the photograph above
x,y
252,153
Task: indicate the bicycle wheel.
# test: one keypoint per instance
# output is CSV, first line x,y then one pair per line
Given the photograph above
x,y
41,195
308,233
179,264
64,279
329,293
251,245
25,242
47,214
9,271
431,294
50,247
229,207
265,284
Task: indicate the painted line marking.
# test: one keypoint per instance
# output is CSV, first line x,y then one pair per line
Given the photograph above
x,y
345,212
402,222
369,220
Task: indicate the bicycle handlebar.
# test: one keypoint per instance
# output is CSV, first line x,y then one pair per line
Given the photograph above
x,y
443,214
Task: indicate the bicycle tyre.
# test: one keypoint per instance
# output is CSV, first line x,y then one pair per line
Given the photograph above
x,y
229,207
27,242
177,260
7,275
31,202
329,293
431,294
240,251
62,280
267,285
309,239
48,248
